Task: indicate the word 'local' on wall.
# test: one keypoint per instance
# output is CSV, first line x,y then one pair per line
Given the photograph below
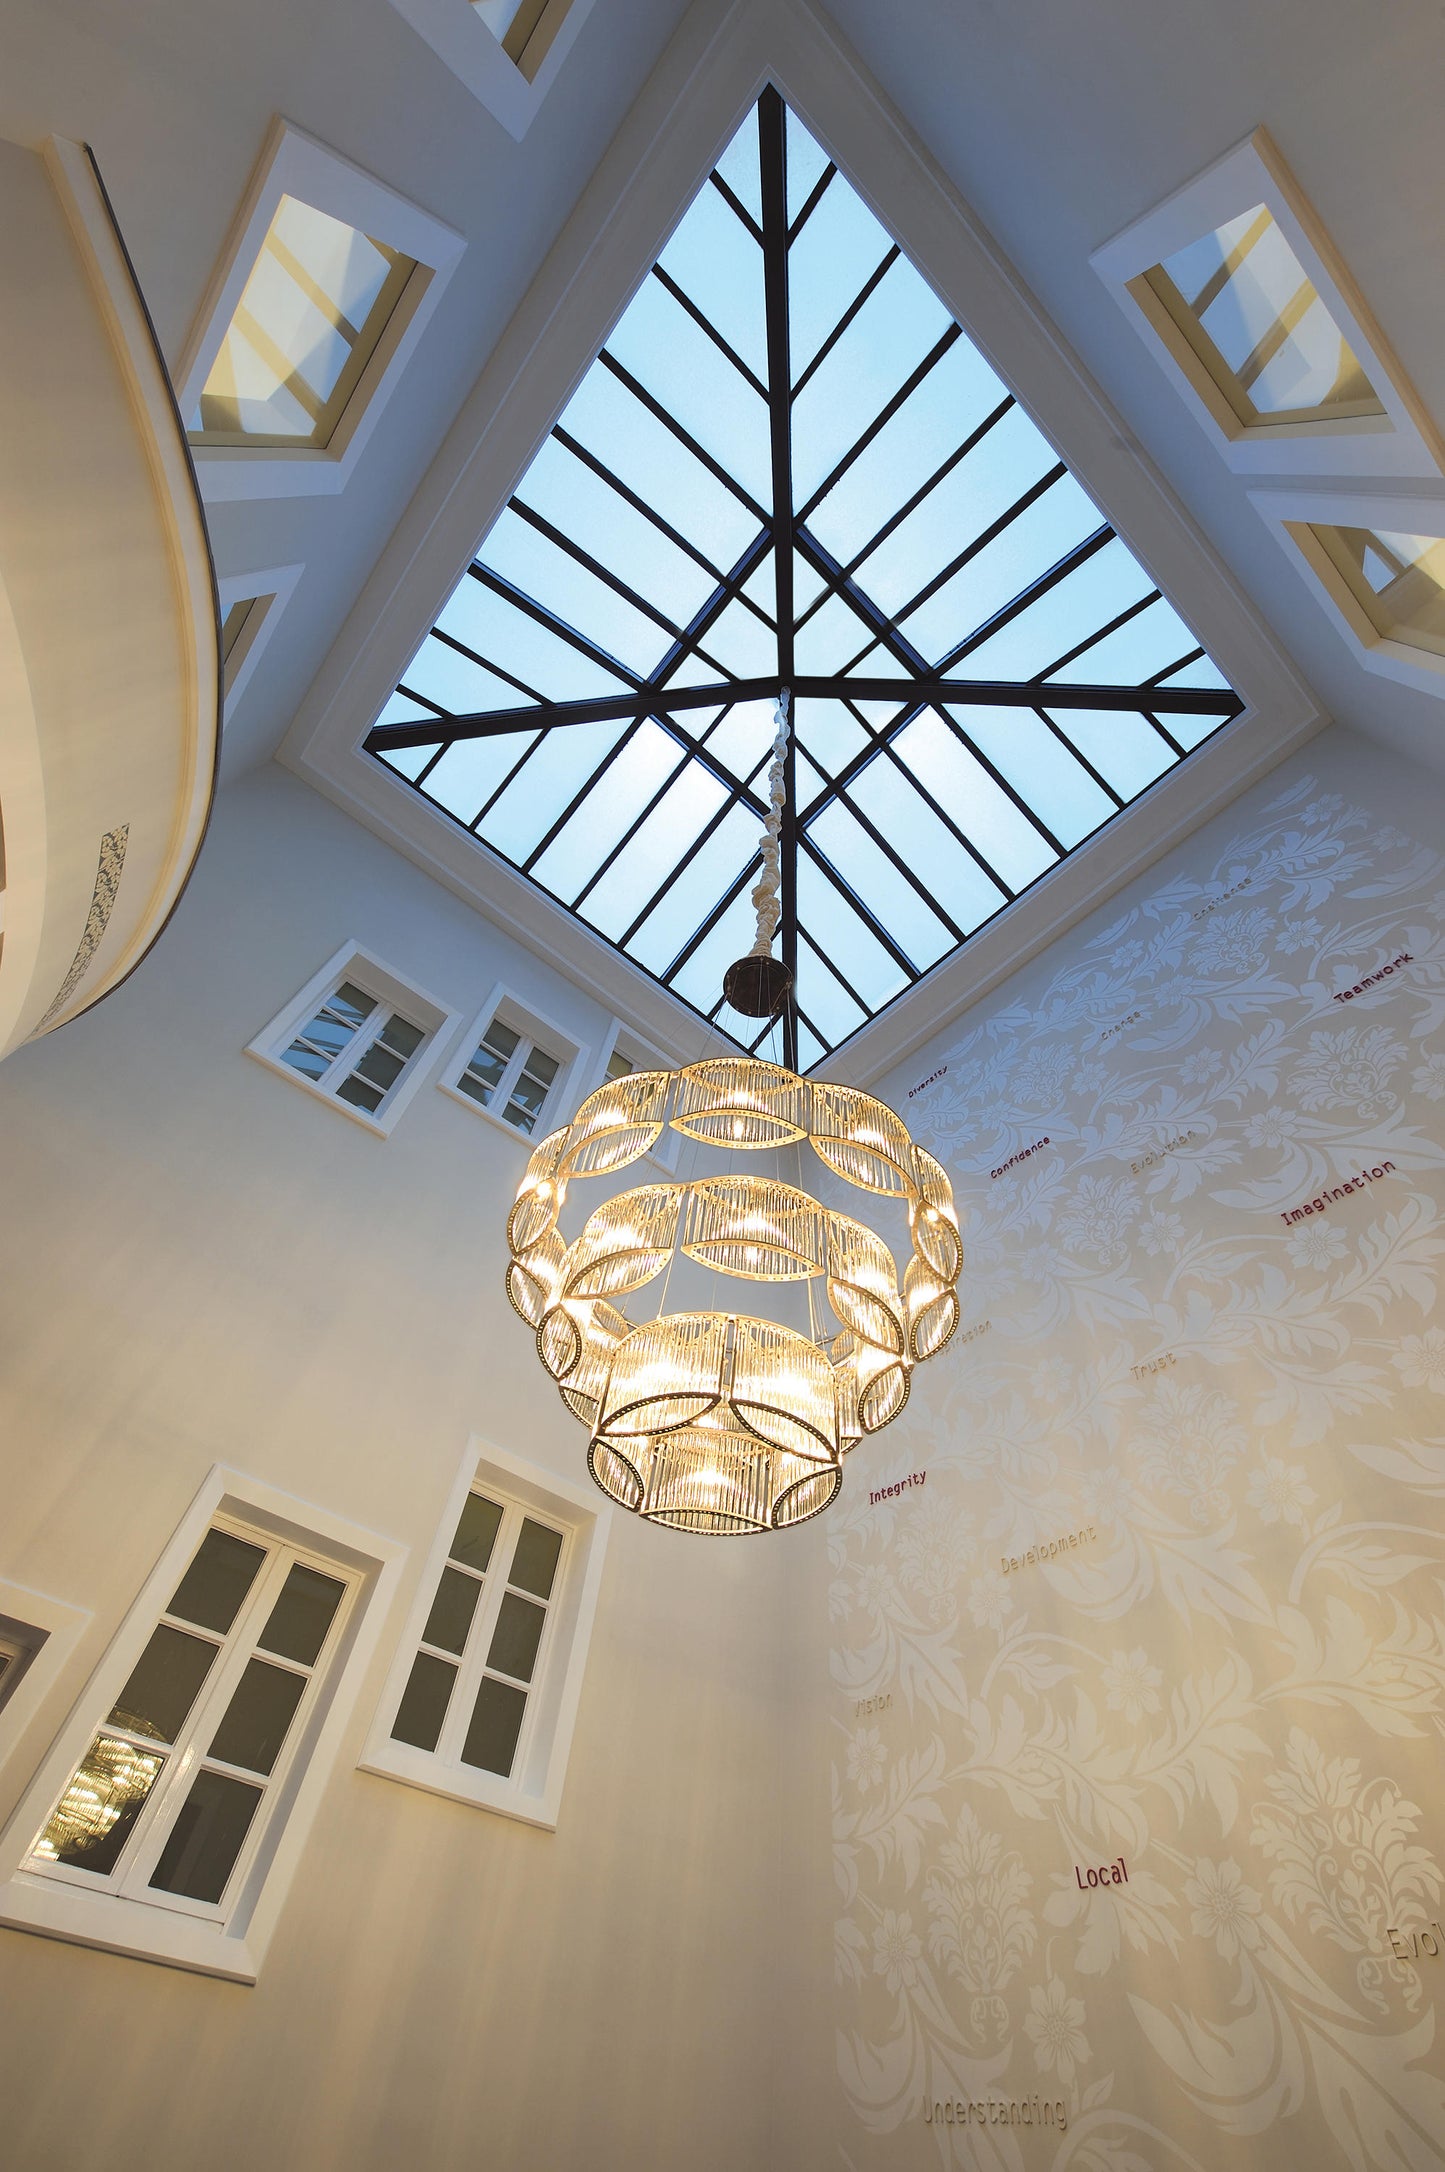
x,y
1106,1874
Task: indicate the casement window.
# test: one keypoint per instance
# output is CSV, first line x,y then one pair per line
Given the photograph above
x,y
175,1787
169,1814
483,1691
507,52
307,322
510,1075
1236,287
357,1035
518,1066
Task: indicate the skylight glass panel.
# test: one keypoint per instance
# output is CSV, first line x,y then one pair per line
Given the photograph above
x,y
596,699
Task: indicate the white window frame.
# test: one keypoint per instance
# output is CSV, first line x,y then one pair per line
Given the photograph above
x,y
269,591
1402,441
643,1057
534,1027
189,1935
392,993
1282,510
533,1792
50,1629
295,164
457,35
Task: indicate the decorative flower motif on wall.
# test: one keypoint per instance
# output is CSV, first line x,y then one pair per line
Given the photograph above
x,y
897,1951
1191,1437
866,1758
1420,1360
1233,942
980,1926
1225,1908
1429,1078
1278,1492
1131,1685
1316,1244
1097,1219
1351,1069
1055,2024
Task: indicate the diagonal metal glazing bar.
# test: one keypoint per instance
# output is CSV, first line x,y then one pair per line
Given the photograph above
x,y
1180,663
1038,588
684,437
815,197
531,608
879,273
685,301
981,541
599,709
940,474
773,174
1101,633
688,753
890,852
1081,758
737,204
884,416
713,823
710,919
830,965
475,656
870,920
613,755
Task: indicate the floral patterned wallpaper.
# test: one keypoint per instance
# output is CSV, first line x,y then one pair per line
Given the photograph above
x,y
1140,1696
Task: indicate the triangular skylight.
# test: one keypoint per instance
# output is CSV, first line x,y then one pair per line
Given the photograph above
x,y
982,673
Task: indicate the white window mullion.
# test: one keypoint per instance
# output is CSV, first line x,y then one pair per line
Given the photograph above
x,y
472,1662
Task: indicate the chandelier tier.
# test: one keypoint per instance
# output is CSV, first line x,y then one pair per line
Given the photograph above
x,y
713,1420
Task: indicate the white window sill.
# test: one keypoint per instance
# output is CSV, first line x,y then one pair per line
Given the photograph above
x,y
482,1790
527,1140
373,1124
31,1902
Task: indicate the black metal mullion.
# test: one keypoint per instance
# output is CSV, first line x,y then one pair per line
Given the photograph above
x,y
773,170
866,823
713,822
885,415
539,613
730,197
837,972
632,829
711,919
987,535
684,437
597,709
1080,757
594,566
618,748
475,825
474,656
1166,735
840,883
1039,587
944,469
815,196
1102,633
847,317
689,639
1059,849
724,347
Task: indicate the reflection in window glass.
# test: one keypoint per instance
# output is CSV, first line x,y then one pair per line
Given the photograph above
x,y
1241,296
316,303
1397,579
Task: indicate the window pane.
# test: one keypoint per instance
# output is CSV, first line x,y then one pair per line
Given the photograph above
x,y
476,1532
94,1817
380,1068
207,1837
404,1037
163,1685
360,1095
451,1611
351,1003
496,1723
217,1581
516,1637
424,1702
534,1564
310,1062
302,1615
257,1717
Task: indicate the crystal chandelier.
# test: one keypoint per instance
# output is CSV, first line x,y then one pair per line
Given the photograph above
x,y
709,1418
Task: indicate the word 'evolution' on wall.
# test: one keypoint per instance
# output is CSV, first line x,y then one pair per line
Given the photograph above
x,y
1317,1206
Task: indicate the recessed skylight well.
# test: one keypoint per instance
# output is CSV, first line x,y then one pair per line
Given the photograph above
x,y
789,466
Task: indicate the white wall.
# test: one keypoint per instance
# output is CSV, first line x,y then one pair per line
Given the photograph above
x,y
1236,1682
201,1262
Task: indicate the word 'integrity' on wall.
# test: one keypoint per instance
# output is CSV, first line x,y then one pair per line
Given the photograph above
x,y
1022,1155
1347,995
1049,1551
1317,1206
886,1493
996,2112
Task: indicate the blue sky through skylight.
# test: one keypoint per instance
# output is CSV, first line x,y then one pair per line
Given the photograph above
x,y
983,674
